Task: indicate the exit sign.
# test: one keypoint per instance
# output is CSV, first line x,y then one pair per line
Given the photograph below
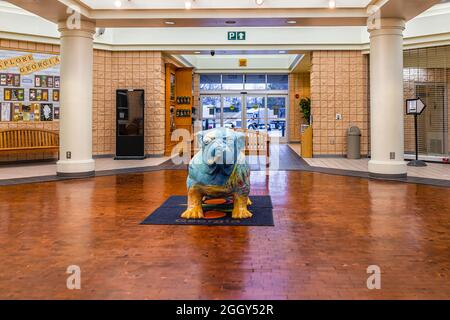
x,y
237,35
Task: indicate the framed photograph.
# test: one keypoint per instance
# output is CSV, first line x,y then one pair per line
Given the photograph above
x,y
43,81
44,95
50,81
37,81
46,112
38,95
55,95
17,94
3,81
56,82
6,111
17,80
26,113
56,113
32,94
17,113
36,109
10,79
7,94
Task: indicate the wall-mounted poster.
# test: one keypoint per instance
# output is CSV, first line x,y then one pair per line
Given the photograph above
x,y
36,109
26,79
55,95
37,81
17,95
26,110
17,112
6,111
7,94
56,113
46,112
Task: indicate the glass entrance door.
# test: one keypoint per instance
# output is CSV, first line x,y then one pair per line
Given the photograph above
x,y
233,111
246,111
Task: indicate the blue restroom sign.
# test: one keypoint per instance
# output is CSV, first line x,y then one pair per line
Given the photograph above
x,y
237,35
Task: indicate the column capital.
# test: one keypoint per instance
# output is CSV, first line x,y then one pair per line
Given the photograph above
x,y
83,28
389,25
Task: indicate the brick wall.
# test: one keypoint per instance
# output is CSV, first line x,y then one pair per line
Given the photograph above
x,y
339,84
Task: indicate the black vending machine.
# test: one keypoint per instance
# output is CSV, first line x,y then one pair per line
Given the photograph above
x,y
130,124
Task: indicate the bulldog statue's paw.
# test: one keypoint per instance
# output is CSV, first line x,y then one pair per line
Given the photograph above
x,y
241,213
195,212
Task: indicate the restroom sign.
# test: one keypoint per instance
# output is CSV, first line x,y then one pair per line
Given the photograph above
x,y
237,35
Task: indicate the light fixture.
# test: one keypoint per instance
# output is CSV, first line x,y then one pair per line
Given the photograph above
x,y
259,2
169,22
197,52
332,4
118,3
291,22
188,4
281,51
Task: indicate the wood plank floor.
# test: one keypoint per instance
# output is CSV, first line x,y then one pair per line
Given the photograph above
x,y
328,230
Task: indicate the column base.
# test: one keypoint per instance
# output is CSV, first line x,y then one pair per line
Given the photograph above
x,y
75,168
387,169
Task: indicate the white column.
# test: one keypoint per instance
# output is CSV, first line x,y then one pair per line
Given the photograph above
x,y
386,99
76,100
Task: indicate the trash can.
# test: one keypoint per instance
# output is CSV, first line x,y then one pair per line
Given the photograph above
x,y
354,143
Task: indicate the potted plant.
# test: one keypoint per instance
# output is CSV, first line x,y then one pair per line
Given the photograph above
x,y
305,108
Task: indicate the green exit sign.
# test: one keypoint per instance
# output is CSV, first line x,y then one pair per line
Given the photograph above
x,y
237,35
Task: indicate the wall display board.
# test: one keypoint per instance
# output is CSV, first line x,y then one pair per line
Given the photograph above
x,y
29,86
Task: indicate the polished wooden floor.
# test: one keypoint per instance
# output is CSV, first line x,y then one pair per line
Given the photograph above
x,y
328,230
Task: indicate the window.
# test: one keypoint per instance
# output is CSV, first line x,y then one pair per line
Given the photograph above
x,y
277,82
255,82
232,82
210,82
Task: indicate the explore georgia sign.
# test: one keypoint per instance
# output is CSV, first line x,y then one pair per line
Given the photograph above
x,y
26,63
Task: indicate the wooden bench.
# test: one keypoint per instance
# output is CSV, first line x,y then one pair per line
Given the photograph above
x,y
28,139
256,144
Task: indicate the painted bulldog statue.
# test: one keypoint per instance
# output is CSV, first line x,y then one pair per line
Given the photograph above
x,y
219,169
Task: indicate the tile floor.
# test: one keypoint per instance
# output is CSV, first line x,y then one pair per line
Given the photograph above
x,y
432,171
101,164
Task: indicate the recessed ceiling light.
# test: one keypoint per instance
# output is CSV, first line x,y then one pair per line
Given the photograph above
x,y
118,3
281,51
291,22
188,4
259,2
197,52
169,22
332,4
230,22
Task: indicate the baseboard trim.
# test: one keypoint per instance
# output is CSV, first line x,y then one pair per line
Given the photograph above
x,y
387,176
76,174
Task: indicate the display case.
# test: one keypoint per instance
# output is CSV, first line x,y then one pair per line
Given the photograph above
x,y
130,124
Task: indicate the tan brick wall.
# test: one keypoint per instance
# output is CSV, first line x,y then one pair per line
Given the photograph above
x,y
339,85
112,71
123,70
299,83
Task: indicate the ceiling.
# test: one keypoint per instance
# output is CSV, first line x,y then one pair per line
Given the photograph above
x,y
221,4
222,13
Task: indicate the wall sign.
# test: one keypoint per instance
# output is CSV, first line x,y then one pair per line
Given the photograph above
x,y
237,35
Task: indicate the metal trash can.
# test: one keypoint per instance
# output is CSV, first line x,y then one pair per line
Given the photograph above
x,y
354,143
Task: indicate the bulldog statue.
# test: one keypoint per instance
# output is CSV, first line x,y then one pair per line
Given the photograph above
x,y
219,169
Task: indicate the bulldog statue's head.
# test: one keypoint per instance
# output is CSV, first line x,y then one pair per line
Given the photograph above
x,y
221,147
